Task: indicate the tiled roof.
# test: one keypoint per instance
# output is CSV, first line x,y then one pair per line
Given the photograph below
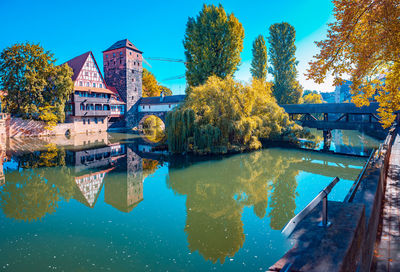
x,y
123,43
116,93
166,100
93,90
77,63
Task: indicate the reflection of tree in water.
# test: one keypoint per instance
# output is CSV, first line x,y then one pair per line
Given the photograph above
x,y
149,167
35,189
217,192
283,198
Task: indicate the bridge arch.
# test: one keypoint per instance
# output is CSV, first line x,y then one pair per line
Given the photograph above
x,y
152,128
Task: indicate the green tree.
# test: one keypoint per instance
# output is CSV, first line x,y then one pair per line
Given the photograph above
x,y
259,62
32,81
224,115
151,87
213,43
286,89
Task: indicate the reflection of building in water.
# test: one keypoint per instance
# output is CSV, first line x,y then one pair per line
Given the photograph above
x,y
90,186
2,159
125,192
95,157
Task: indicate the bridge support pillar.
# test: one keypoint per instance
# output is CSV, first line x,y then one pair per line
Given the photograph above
x,y
327,138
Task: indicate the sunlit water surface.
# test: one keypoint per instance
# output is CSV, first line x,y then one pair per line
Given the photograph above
x,y
102,204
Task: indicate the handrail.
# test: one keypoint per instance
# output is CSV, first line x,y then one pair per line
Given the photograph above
x,y
287,230
349,197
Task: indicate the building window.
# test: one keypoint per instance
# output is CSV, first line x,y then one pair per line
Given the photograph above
x,y
143,107
149,106
87,64
133,97
120,53
95,120
80,83
102,121
106,56
86,73
113,54
84,121
101,85
99,107
87,84
94,84
83,108
106,107
169,105
137,55
130,53
88,121
87,107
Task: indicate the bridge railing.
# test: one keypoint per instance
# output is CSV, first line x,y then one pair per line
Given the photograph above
x,y
322,196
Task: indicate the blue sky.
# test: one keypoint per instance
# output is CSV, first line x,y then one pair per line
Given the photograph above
x,y
70,28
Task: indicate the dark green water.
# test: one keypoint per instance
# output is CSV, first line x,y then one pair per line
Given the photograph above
x,y
106,206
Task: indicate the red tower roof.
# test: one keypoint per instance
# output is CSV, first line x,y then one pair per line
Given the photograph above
x,y
122,44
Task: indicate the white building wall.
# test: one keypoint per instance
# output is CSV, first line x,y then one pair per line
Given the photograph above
x,y
157,108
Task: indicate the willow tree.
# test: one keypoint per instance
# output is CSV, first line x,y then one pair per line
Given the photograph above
x,y
363,43
287,89
258,67
224,115
33,83
213,43
151,87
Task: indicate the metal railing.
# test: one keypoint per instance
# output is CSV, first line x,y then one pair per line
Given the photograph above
x,y
349,197
323,195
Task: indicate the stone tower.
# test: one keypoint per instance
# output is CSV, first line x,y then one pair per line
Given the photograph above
x,y
123,70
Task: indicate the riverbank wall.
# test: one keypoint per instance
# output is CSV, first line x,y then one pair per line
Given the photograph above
x,y
20,128
348,244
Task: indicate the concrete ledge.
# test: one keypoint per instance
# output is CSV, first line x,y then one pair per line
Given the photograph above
x,y
336,248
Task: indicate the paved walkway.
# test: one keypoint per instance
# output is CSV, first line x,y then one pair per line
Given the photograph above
x,y
387,249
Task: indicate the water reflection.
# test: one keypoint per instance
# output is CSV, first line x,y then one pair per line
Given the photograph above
x,y
217,191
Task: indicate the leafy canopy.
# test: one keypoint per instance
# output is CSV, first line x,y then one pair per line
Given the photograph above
x,y
213,43
312,98
32,82
286,89
224,115
258,67
364,43
151,87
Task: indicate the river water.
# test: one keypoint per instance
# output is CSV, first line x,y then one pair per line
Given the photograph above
x,y
102,203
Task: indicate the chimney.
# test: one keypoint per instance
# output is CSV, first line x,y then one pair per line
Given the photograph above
x,y
161,96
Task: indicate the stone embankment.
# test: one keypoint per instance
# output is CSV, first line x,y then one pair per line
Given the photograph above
x,y
348,244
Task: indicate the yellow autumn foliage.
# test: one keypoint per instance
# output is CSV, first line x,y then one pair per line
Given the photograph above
x,y
364,43
225,115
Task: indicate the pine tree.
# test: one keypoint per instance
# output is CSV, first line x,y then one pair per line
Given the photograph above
x,y
259,63
287,89
213,43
